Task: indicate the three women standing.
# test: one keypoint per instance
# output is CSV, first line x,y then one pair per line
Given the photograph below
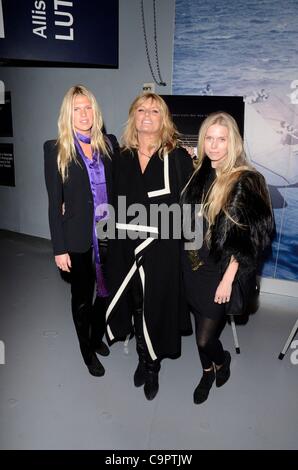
x,y
142,272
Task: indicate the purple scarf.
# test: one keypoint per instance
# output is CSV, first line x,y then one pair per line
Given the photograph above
x,y
97,179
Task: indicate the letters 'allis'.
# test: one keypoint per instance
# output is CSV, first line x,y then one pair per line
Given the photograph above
x,y
64,19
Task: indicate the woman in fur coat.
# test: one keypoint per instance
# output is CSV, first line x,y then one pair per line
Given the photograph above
x,y
230,203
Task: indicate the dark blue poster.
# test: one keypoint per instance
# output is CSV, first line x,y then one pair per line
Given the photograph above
x,y
189,111
61,32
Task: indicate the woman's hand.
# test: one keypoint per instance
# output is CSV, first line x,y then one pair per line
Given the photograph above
x,y
223,292
63,262
224,288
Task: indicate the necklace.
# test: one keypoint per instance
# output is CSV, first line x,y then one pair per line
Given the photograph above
x,y
145,154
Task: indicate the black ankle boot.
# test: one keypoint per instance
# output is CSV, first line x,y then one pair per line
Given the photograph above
x,y
139,377
223,373
151,383
95,367
202,390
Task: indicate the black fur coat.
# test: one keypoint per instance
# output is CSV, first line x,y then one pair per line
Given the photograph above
x,y
246,242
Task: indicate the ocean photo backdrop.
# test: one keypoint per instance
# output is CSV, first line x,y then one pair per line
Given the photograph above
x,y
250,49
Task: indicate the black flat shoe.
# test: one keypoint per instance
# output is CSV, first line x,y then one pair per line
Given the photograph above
x,y
224,372
102,349
95,367
201,392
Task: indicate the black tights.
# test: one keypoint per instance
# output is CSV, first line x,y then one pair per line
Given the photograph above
x,y
208,343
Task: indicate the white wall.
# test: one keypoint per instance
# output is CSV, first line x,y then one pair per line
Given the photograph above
x,y
36,98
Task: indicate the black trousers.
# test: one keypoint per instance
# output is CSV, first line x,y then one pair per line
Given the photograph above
x,y
88,315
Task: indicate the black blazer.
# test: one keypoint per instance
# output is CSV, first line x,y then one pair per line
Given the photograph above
x,y
73,230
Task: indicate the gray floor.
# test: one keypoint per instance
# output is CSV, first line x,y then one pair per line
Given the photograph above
x,y
48,400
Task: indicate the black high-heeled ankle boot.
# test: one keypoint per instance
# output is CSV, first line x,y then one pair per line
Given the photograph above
x,y
224,372
202,390
151,383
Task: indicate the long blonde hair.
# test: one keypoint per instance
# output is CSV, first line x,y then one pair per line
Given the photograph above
x,y
228,172
65,141
169,136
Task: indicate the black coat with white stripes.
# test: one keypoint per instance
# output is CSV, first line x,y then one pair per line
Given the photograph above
x,y
158,262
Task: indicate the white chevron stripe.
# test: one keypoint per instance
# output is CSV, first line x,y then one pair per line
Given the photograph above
x,y
125,282
166,189
143,245
121,289
146,334
136,228
110,334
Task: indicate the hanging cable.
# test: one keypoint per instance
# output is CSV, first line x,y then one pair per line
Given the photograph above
x,y
160,82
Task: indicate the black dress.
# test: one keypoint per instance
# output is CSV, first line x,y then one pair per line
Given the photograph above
x,y
154,255
201,283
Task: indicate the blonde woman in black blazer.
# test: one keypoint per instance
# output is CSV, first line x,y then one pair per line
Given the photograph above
x,y
78,174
